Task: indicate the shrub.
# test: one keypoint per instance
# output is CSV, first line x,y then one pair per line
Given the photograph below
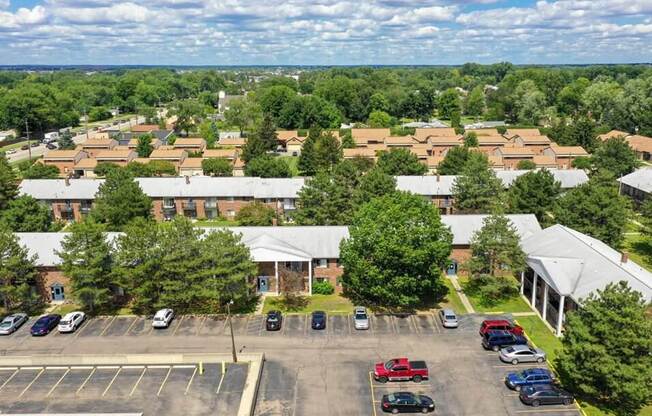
x,y
323,288
491,290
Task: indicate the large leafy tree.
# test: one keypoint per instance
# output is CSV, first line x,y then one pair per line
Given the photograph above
x,y
18,275
495,248
38,171
320,151
373,184
606,348
26,214
454,161
534,193
395,253
449,103
616,156
8,183
474,104
400,161
256,214
86,260
120,200
144,147
268,166
214,166
476,189
595,208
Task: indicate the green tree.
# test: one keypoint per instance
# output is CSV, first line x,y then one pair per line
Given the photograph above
x,y
379,102
144,147
606,348
476,189
584,163
373,184
448,103
209,131
242,113
646,216
616,156
395,253
347,139
582,133
65,141
104,168
526,165
18,275
378,118
86,260
454,161
306,163
161,168
217,167
267,166
327,151
595,208
255,214
530,102
139,170
400,161
263,140
534,193
119,200
474,104
27,215
471,139
8,183
189,113
39,171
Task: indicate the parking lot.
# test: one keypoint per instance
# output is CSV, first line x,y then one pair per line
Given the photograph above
x,y
151,389
307,372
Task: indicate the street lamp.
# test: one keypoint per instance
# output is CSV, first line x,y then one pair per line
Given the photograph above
x,y
228,313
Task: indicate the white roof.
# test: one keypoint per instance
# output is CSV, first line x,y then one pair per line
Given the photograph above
x,y
569,178
464,226
576,265
45,245
45,189
639,179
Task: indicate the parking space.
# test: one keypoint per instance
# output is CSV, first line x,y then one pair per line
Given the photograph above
x,y
94,327
340,325
158,389
213,325
296,325
119,326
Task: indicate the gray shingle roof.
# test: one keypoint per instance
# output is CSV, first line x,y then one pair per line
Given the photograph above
x,y
639,179
464,226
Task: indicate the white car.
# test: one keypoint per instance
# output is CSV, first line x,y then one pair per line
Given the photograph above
x,y
360,318
71,321
163,318
448,318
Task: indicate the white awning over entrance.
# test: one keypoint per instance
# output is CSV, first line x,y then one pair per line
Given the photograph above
x,y
268,249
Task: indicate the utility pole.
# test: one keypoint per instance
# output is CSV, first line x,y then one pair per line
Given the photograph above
x,y
29,145
86,123
228,312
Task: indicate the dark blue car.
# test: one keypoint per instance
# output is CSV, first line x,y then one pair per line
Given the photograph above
x,y
495,340
318,320
45,324
529,377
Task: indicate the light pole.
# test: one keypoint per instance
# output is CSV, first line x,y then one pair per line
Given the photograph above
x,y
228,313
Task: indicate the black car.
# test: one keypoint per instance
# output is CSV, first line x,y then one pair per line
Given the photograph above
x,y
545,394
318,320
274,321
51,146
45,324
495,340
406,402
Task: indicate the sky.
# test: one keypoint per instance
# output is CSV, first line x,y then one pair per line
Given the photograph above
x,y
324,32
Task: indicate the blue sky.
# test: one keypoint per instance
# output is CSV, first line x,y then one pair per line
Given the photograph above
x,y
328,32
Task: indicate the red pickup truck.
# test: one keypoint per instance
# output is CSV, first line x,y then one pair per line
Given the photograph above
x,y
401,369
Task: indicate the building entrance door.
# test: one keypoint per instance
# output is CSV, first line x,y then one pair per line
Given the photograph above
x,y
263,283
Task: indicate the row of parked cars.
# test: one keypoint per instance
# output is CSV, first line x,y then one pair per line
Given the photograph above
x,y
536,386
43,325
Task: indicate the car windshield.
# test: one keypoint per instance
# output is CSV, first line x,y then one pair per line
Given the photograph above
x,y
5,324
509,350
389,364
360,316
391,398
64,322
451,317
272,318
158,318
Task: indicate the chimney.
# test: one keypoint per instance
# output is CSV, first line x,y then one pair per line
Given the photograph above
x,y
67,180
624,257
187,179
438,177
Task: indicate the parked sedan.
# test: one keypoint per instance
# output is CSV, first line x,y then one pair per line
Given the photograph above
x,y
448,318
45,324
406,402
274,321
162,318
522,354
360,318
545,394
529,377
71,322
11,323
318,320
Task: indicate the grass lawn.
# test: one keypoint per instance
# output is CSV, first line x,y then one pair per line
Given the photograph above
x,y
215,223
453,300
334,303
14,146
292,161
66,308
516,304
639,249
540,334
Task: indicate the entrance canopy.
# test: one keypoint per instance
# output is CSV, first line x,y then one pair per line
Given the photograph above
x,y
268,249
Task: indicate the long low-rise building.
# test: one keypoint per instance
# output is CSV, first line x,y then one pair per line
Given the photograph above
x,y
209,197
637,185
311,250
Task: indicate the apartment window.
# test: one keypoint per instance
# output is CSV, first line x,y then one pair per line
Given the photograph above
x,y
230,213
338,281
321,279
295,266
230,198
168,202
321,263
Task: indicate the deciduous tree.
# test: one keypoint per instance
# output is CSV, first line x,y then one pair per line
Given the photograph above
x,y
534,193
454,161
268,166
217,167
144,147
616,156
399,161
256,214
38,171
8,183
27,215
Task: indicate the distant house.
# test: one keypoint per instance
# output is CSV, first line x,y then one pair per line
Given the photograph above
x,y
637,185
174,156
642,145
64,160
120,157
191,166
565,155
512,156
97,145
191,144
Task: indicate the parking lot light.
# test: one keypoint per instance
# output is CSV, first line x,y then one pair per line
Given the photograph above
x,y
228,312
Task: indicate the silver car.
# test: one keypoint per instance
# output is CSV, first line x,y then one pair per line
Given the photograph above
x,y
11,323
448,318
360,318
522,354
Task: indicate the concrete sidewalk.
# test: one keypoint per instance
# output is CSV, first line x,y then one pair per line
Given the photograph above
x,y
463,298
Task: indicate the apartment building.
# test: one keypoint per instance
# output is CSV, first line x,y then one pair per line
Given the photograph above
x,y
64,160
637,185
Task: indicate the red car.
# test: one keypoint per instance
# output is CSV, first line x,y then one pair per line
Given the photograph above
x,y
499,325
401,369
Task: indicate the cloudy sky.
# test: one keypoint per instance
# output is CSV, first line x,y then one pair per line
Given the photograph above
x,y
343,32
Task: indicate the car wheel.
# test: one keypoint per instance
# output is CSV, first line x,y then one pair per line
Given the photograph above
x,y
567,402
417,379
540,360
382,380
514,361
394,411
517,388
495,348
535,403
424,410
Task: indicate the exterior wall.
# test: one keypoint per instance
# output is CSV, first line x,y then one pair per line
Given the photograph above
x,y
444,203
191,172
461,254
331,273
636,194
564,162
64,166
157,208
47,276
294,147
512,162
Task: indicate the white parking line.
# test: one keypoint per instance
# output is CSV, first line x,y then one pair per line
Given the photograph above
x,y
31,368
348,320
547,411
107,326
373,396
160,389
133,389
32,382
190,381
201,324
184,366
159,366
86,381
82,367
178,325
133,367
414,322
57,383
392,319
9,379
111,383
8,368
131,326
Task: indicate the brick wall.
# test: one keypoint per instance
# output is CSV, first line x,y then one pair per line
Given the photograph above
x,y
331,272
48,276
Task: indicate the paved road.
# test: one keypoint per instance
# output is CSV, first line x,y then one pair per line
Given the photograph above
x,y
40,150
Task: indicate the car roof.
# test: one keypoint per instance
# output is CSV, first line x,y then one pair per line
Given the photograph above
x,y
319,313
521,347
448,312
496,322
274,312
70,315
536,371
498,332
162,311
360,308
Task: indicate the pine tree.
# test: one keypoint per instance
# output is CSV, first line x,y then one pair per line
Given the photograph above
x,y
65,141
8,183
307,158
495,248
18,275
477,189
536,193
144,147
119,200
